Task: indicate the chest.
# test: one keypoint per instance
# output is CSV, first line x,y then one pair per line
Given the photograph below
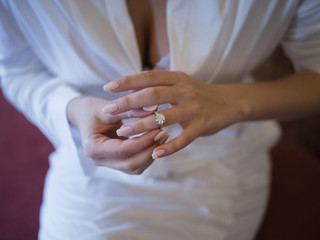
x,y
213,41
149,20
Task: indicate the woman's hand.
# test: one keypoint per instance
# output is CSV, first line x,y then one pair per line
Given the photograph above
x,y
100,141
201,109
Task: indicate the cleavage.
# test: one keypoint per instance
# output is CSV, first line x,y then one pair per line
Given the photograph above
x,y
149,20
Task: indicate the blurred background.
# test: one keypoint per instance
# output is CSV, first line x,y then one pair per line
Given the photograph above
x,y
294,205
304,133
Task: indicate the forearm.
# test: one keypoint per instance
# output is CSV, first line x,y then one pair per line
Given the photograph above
x,y
292,97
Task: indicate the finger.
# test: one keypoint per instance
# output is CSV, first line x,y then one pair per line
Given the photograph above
x,y
142,80
98,146
150,108
146,108
141,161
112,118
137,163
134,90
148,96
173,115
176,144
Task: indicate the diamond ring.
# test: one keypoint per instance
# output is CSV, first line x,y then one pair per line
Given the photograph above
x,y
160,119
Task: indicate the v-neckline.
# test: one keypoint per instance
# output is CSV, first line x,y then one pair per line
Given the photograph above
x,y
130,42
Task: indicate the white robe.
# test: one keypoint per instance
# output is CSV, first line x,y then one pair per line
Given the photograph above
x,y
216,188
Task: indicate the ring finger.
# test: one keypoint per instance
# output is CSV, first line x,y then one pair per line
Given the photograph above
x,y
138,100
173,115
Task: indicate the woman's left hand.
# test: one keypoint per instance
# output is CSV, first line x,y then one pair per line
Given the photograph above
x,y
201,109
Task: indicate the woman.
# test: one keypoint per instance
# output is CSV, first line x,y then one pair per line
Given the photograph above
x,y
210,179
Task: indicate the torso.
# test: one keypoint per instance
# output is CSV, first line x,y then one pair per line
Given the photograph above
x,y
149,21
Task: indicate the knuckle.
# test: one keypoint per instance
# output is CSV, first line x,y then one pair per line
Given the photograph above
x,y
88,152
175,145
147,75
97,163
141,124
182,142
188,139
196,107
132,113
155,92
126,102
189,91
182,74
192,92
123,152
88,148
126,80
129,167
147,91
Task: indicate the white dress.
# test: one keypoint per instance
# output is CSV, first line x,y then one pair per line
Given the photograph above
x,y
216,188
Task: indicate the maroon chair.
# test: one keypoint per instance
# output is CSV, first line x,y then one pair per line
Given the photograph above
x,y
23,165
293,211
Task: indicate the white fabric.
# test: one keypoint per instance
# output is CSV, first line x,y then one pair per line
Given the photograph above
x,y
52,51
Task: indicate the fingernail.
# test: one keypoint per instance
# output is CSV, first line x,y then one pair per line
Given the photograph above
x,y
150,108
111,86
110,108
124,131
159,135
158,153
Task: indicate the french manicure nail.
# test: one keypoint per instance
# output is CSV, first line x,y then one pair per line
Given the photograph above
x,y
124,131
150,108
158,153
159,135
111,86
110,108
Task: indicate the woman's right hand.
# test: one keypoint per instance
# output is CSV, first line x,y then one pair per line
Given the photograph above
x,y
100,141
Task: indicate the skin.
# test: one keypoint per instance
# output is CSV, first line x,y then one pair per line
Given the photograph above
x,y
204,109
99,139
201,109
98,131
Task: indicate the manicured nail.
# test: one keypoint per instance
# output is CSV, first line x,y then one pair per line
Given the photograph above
x,y
111,86
158,153
124,131
110,108
150,108
160,135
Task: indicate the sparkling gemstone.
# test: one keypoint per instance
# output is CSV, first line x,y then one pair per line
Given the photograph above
x,y
160,119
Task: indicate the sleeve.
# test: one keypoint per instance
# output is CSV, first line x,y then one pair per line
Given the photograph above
x,y
26,83
302,39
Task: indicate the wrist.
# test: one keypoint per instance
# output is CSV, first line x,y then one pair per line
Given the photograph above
x,y
243,106
73,110
236,96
